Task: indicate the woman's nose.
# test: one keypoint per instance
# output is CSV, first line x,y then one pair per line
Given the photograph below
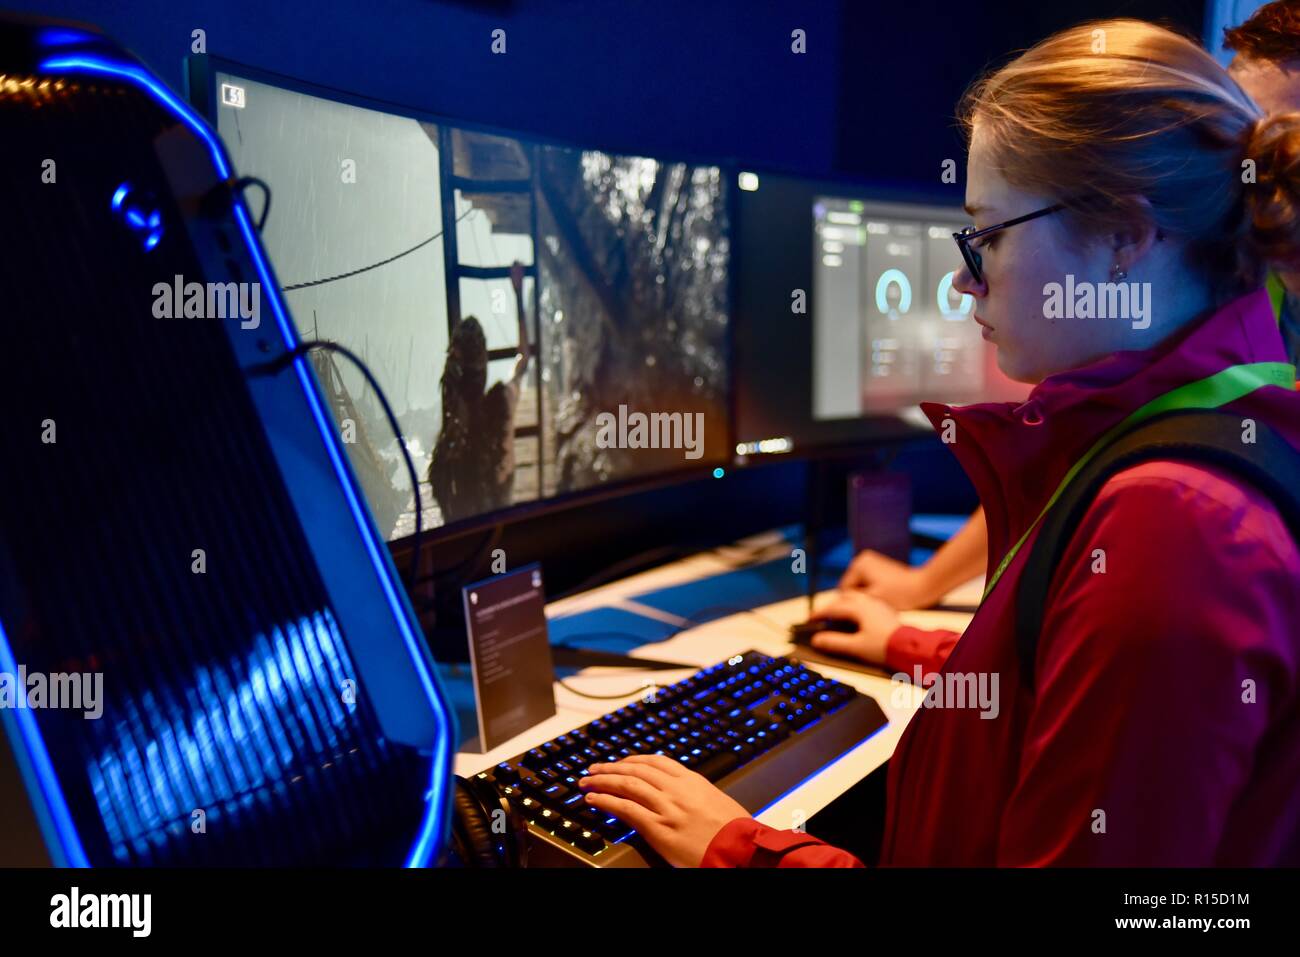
x,y
965,283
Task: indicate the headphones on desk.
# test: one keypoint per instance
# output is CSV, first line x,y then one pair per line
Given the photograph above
x,y
485,830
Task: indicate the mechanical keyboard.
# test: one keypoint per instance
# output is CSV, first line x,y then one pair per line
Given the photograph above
x,y
754,725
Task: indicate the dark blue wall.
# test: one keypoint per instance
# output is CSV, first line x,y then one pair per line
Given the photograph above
x,y
905,65
872,97
688,77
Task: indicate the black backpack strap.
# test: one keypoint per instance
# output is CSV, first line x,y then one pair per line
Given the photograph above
x,y
1270,464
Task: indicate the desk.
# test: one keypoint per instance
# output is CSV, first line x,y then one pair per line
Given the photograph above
x,y
763,628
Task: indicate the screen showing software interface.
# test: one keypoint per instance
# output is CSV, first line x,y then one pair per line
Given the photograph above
x,y
889,330
612,366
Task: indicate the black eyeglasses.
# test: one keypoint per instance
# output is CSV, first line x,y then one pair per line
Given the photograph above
x,y
968,235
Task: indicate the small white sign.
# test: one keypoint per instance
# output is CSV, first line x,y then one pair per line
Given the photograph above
x,y
232,95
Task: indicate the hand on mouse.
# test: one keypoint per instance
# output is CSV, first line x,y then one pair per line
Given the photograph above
x,y
876,622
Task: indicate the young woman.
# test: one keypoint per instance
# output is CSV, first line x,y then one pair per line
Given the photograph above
x,y
1267,55
1164,724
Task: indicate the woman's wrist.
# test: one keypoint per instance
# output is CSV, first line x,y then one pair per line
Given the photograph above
x,y
931,585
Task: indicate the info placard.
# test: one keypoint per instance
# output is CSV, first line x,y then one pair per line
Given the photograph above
x,y
510,654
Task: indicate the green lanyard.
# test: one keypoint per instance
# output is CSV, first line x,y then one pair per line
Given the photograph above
x,y
1217,390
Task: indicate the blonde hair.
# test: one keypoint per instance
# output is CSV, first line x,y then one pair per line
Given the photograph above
x,y
1110,113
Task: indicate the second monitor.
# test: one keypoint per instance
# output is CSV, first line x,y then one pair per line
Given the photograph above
x,y
891,269
847,317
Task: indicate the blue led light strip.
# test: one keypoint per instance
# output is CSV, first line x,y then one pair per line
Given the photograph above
x,y
432,825
54,814
188,754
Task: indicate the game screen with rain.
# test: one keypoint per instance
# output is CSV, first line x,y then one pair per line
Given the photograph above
x,y
541,319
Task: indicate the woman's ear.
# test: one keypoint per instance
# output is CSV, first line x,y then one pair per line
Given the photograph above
x,y
1131,244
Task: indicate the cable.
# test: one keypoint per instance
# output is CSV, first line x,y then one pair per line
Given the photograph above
x,y
382,262
280,363
607,697
243,183
469,567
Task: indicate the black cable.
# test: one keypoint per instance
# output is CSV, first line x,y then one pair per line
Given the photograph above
x,y
469,567
607,697
382,262
691,622
243,183
280,363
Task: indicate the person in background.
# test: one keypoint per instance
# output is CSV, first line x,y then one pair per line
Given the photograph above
x,y
1267,67
1136,745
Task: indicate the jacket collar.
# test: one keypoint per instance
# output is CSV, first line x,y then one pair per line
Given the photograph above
x,y
1017,454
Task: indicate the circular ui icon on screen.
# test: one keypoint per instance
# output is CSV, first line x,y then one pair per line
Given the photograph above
x,y
889,278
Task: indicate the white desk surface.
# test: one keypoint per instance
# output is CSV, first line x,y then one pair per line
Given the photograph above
x,y
763,629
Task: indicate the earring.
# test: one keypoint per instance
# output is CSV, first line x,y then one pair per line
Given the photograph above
x,y
1117,274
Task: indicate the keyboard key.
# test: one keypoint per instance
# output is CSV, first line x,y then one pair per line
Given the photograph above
x,y
566,830
532,786
587,816
530,808
554,793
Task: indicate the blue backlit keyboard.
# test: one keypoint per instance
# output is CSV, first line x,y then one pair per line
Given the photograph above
x,y
754,725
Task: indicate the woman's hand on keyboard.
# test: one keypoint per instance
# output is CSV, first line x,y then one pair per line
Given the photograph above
x,y
677,811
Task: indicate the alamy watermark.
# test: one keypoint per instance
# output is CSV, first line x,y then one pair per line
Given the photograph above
x,y
211,300
656,430
72,691
951,689
1098,300
133,912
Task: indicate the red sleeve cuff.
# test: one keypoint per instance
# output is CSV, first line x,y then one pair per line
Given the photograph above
x,y
733,846
744,842
910,647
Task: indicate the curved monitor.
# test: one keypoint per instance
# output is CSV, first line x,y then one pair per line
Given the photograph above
x,y
602,362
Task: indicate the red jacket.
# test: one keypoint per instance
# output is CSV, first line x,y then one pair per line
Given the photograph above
x,y
1165,729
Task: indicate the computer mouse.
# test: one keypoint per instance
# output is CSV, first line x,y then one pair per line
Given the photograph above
x,y
801,634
